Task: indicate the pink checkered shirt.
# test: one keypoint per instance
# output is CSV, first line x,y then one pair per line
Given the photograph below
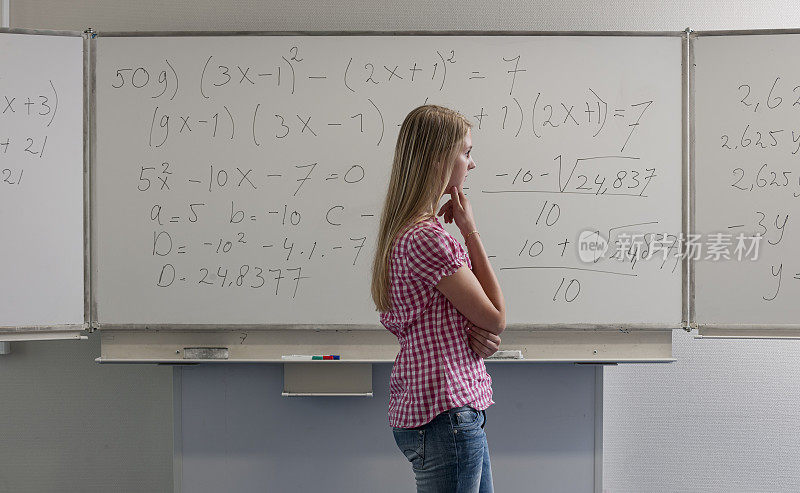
x,y
435,369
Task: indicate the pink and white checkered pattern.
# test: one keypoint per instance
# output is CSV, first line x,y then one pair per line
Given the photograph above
x,y
435,369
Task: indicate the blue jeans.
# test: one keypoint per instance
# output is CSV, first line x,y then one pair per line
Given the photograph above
x,y
450,453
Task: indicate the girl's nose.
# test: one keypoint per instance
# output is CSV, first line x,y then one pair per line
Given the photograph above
x,y
471,164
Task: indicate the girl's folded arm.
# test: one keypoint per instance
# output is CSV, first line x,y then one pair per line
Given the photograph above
x,y
466,293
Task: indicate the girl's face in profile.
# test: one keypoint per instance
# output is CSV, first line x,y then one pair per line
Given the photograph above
x,y
463,164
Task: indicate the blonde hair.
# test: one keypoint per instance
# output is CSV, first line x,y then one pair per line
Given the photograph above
x,y
424,157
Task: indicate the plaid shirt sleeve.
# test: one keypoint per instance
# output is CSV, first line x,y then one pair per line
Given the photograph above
x,y
431,255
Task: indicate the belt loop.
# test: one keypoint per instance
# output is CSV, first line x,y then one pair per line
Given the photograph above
x,y
484,418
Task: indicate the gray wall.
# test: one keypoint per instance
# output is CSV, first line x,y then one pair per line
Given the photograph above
x,y
674,15
70,424
239,434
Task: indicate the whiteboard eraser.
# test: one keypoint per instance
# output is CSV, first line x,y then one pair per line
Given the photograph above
x,y
507,354
205,353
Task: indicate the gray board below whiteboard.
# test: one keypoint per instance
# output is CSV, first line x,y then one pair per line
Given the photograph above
x,y
239,180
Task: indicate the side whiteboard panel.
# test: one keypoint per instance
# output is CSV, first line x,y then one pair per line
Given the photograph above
x,y
239,180
747,182
41,182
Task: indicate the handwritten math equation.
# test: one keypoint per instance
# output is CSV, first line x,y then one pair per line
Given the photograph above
x,y
242,184
527,112
161,180
25,120
759,148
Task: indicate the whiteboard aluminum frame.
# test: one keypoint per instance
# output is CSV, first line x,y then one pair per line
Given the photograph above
x,y
686,182
92,155
146,34
744,32
43,333
724,330
65,331
691,180
623,327
748,331
42,32
155,327
88,121
5,14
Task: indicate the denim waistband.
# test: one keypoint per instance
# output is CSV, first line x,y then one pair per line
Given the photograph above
x,y
467,408
459,409
449,413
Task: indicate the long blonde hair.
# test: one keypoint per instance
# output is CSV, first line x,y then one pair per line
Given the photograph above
x,y
424,157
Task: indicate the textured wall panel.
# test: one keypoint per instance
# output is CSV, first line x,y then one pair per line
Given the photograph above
x,y
723,418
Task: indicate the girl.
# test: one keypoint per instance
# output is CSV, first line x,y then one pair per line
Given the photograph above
x,y
443,303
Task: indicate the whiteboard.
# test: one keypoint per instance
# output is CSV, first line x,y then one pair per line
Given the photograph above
x,y
41,180
747,183
239,180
